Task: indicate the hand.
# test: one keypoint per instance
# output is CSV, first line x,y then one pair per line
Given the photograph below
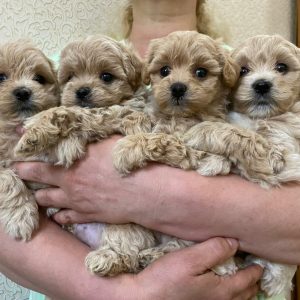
x,y
91,190
184,275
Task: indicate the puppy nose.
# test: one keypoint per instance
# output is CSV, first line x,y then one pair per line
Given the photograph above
x,y
262,86
22,93
178,89
83,93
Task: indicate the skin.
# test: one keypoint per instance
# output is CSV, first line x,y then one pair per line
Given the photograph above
x,y
267,220
181,275
154,19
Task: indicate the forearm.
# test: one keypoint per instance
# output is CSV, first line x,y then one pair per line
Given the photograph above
x,y
193,207
53,263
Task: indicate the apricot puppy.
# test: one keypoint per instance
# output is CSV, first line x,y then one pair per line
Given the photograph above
x,y
28,85
266,101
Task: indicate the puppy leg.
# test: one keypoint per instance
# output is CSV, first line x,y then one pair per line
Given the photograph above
x,y
276,278
253,155
134,151
119,251
18,209
63,133
228,268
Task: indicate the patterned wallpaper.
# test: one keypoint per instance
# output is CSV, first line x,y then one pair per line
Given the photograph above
x,y
51,24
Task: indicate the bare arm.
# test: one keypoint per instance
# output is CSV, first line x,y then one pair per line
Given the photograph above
x,y
53,263
173,201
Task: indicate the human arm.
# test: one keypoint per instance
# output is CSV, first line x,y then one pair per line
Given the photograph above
x,y
53,263
176,202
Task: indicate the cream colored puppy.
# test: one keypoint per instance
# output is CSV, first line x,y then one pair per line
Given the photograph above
x,y
266,100
28,85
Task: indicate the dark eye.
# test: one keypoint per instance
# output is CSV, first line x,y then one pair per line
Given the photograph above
x,y
106,77
69,78
165,71
244,71
281,68
40,79
201,72
3,77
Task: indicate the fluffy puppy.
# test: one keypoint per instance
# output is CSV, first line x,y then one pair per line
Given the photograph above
x,y
191,76
266,100
28,85
99,71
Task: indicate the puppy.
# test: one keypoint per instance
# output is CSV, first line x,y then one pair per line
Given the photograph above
x,y
99,72
102,91
28,85
203,75
266,101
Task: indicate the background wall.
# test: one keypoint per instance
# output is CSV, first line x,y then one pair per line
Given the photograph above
x,y
51,24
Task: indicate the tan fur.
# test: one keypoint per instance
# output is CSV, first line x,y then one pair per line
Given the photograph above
x,y
64,132
277,120
21,62
82,64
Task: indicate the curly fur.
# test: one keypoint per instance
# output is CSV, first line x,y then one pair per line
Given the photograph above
x,y
20,64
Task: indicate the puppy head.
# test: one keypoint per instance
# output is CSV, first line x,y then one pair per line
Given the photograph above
x,y
190,74
28,82
269,76
97,72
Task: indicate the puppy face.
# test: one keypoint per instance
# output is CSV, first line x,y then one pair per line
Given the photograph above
x,y
97,72
28,81
190,74
269,76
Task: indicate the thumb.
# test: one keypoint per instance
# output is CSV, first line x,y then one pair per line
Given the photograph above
x,y
202,257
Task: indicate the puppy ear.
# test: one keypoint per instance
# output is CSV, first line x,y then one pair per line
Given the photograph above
x,y
132,65
150,54
231,70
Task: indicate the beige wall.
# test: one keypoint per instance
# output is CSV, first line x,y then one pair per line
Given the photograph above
x,y
246,18
52,24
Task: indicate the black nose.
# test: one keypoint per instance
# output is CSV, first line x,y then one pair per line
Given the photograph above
x,y
262,86
83,93
22,93
178,89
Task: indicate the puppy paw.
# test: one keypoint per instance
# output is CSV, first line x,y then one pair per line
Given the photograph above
x,y
105,262
128,155
228,268
148,256
22,222
51,211
212,165
276,278
277,161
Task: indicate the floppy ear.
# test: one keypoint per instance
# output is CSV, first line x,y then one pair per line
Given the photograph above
x,y
150,54
132,65
231,70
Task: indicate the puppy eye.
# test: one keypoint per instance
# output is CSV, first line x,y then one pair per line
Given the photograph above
x,y
201,72
165,71
244,71
3,77
281,68
69,78
106,77
40,79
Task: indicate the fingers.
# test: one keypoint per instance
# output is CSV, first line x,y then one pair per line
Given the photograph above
x,y
248,294
201,257
40,172
210,253
244,279
68,216
52,197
